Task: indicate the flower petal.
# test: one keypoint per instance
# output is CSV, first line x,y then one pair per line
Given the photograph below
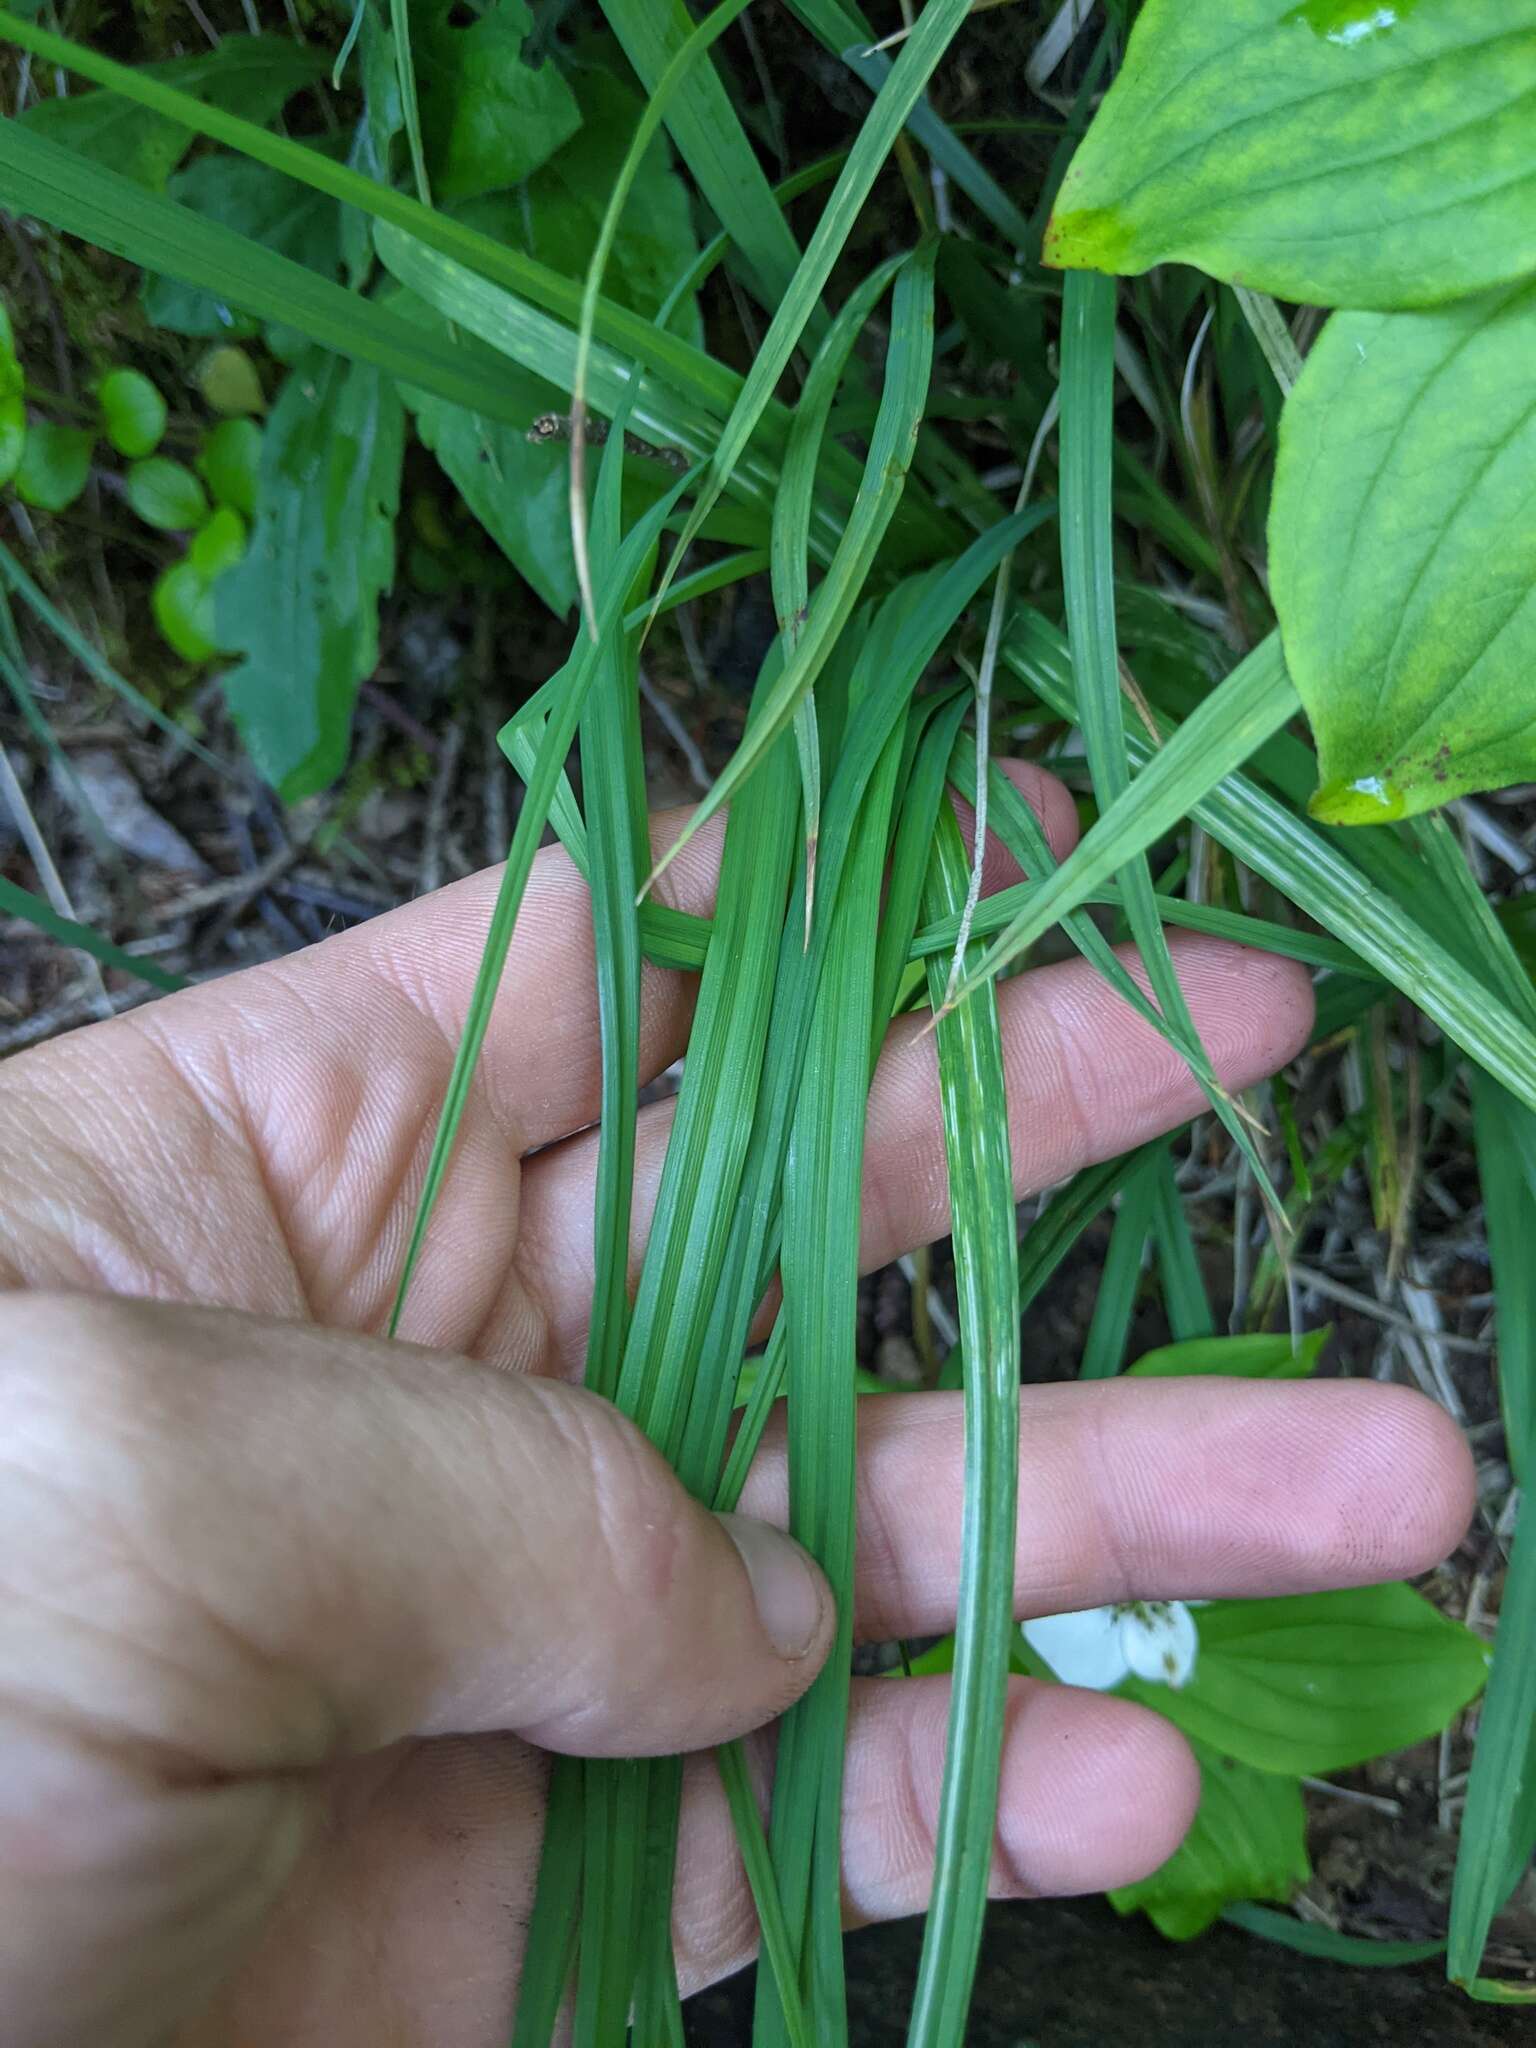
x,y
1083,1648
1159,1641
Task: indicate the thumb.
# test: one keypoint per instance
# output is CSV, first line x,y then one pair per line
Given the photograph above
x,y
308,1544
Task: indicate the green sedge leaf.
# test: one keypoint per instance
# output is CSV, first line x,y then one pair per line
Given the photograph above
x,y
53,465
133,413
166,494
1403,554
229,463
1337,152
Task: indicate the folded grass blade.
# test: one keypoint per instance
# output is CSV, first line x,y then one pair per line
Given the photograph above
x,y
985,1234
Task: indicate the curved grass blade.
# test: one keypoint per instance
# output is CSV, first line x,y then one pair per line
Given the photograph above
x,y
846,34
575,682
820,1266
985,1233
659,100
1087,555
1194,772
405,72
940,22
789,545
713,144
19,902
1326,1942
753,1844
909,362
103,672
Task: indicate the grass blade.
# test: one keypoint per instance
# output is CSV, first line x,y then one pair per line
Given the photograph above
x,y
1300,860
85,938
985,1236
1110,1330
1087,555
909,363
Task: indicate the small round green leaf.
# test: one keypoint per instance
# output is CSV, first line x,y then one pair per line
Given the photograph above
x,y
182,602
55,462
1336,152
1403,554
219,544
132,412
166,494
228,381
230,463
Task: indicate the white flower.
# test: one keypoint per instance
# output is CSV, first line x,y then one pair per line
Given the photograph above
x,y
1097,1647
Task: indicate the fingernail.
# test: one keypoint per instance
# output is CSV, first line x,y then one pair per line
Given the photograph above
x,y
785,1584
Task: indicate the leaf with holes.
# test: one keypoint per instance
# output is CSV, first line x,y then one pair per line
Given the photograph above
x,y
1339,152
303,604
1403,554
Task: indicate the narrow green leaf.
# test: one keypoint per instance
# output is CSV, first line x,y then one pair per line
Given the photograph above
x,y
1327,1943
909,361
1115,1303
19,902
975,1111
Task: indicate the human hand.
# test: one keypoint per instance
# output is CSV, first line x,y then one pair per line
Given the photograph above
x,y
294,1613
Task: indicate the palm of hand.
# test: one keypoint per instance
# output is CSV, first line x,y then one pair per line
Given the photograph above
x,y
290,1789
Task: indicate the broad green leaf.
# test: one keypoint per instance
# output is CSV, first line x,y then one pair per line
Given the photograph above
x,y
1248,1841
1249,1358
487,117
303,605
250,199
132,412
558,218
229,463
166,494
1337,152
1317,1682
181,599
518,490
55,462
253,76
1403,554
